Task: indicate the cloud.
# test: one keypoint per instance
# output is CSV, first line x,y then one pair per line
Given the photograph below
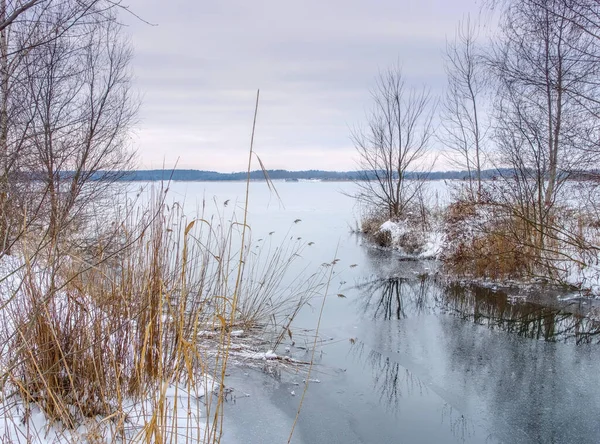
x,y
314,61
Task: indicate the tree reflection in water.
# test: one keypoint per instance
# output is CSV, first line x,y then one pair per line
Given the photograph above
x,y
392,382
517,380
558,322
401,297
398,297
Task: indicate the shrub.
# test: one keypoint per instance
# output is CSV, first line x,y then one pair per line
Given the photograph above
x,y
485,242
370,226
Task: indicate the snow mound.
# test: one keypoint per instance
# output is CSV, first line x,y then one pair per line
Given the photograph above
x,y
413,242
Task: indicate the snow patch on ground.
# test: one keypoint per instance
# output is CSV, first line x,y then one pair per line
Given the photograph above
x,y
430,243
183,419
254,355
585,276
396,230
433,246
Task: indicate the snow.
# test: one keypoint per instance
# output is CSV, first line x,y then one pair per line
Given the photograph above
x,y
396,230
182,415
183,418
432,242
585,276
270,355
433,246
254,355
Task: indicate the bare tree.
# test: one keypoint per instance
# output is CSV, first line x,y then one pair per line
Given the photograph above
x,y
31,13
81,110
463,133
583,16
65,111
394,143
544,132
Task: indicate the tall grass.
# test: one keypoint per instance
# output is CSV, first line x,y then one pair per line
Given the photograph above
x,y
109,343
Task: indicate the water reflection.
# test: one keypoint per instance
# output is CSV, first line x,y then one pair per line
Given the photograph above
x,y
395,386
551,320
555,321
462,429
545,392
391,381
426,341
398,297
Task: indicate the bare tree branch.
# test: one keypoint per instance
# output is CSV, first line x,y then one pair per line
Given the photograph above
x,y
395,142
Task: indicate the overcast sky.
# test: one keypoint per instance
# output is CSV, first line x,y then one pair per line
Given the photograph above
x,y
314,61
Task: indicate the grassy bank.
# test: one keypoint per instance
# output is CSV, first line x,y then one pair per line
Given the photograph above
x,y
129,339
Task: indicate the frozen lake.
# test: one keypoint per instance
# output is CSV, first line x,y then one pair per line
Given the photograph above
x,y
405,357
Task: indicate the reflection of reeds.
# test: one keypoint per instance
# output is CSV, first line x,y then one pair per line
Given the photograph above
x,y
392,382
496,310
460,426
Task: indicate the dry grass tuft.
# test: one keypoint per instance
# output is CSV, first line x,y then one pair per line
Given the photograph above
x,y
125,335
112,334
484,242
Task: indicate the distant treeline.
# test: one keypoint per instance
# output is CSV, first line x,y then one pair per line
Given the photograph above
x,y
199,175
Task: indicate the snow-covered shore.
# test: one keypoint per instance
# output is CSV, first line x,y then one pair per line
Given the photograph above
x,y
575,269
